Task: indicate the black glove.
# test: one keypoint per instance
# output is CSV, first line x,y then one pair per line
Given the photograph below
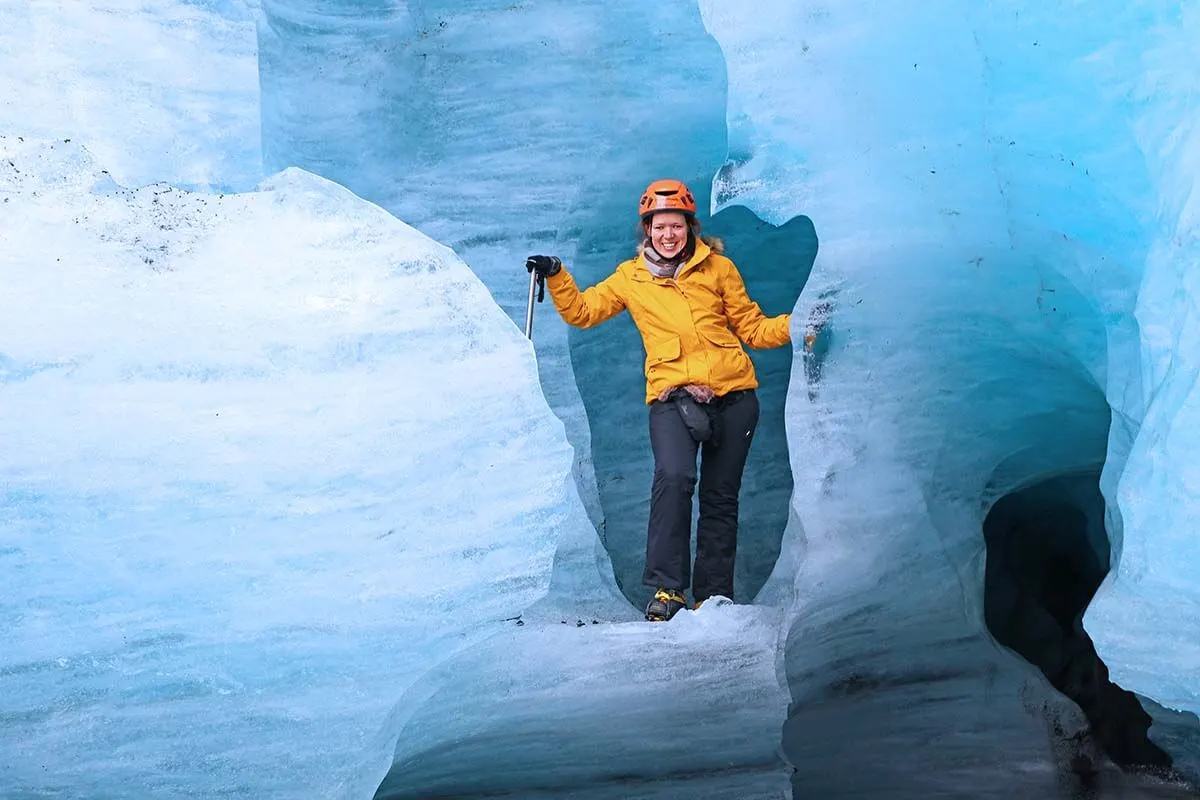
x,y
544,266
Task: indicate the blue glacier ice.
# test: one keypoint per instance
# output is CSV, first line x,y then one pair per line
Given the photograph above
x,y
229,544
290,509
1006,203
158,90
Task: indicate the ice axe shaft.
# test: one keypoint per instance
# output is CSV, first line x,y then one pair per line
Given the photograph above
x,y
537,291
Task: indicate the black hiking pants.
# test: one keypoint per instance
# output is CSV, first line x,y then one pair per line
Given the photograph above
x,y
723,458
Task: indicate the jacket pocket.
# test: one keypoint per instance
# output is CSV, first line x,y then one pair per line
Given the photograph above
x,y
729,365
661,350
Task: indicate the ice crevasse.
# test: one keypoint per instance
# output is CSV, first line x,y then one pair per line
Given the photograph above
x,y
239,563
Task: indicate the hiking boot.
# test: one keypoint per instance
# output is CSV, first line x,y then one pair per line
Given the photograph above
x,y
666,604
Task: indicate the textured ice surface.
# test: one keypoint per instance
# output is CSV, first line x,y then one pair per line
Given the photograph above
x,y
266,458
158,90
992,186
576,707
1148,622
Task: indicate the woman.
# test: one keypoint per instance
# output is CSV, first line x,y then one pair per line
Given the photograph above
x,y
691,308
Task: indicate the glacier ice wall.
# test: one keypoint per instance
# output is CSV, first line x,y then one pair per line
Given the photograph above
x,y
158,90
1155,596
228,541
505,129
992,186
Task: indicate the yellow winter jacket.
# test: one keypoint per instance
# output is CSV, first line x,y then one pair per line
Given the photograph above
x,y
690,324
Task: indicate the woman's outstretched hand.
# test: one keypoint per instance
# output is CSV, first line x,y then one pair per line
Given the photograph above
x,y
544,266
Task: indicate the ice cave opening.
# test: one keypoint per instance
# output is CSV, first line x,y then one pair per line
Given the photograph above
x,y
1047,553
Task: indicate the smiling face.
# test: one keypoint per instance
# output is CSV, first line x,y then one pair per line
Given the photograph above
x,y
668,233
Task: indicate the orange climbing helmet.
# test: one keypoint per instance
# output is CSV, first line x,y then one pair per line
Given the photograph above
x,y
667,195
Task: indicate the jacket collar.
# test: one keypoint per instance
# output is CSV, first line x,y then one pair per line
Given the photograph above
x,y
642,272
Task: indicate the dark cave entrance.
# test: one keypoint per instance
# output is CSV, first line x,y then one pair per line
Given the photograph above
x,y
1047,554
